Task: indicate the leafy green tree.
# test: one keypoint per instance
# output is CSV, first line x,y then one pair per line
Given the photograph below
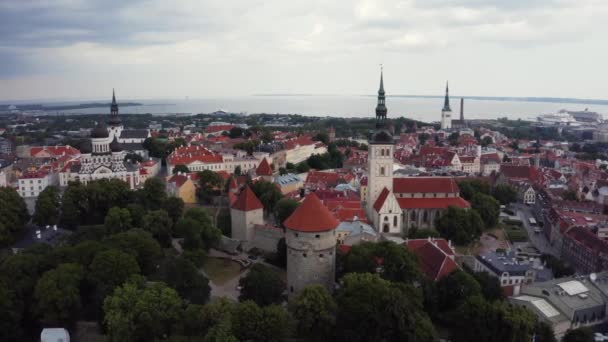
x,y
47,206
180,168
263,285
136,312
137,213
486,141
118,220
103,194
210,183
454,289
185,278
153,194
57,294
315,312
398,264
174,207
74,206
373,309
253,323
470,187
236,132
133,157
559,268
479,320
198,319
221,332
237,170
487,207
460,225
198,214
504,194
109,269
11,311
159,224
490,286
268,193
141,245
13,215
544,332
302,167
284,208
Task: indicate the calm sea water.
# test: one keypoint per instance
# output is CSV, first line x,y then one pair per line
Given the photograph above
x,y
424,109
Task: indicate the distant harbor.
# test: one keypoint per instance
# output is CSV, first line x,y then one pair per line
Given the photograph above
x,y
423,108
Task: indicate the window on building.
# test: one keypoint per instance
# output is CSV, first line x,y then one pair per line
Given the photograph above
x,y
304,255
382,171
318,236
321,255
395,221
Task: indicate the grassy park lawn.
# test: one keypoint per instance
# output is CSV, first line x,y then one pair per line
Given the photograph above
x,y
220,271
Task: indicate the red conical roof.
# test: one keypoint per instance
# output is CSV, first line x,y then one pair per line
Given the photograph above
x,y
264,168
247,201
311,216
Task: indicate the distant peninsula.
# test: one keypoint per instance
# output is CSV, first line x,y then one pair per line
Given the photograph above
x,y
66,106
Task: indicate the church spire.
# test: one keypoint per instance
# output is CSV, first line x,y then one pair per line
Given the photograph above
x,y
114,119
381,106
446,102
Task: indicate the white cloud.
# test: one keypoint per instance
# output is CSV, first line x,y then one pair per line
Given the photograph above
x,y
245,43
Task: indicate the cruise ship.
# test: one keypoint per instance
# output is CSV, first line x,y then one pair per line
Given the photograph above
x,y
558,119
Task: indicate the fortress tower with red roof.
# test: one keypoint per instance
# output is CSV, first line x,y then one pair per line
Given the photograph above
x,y
311,246
246,212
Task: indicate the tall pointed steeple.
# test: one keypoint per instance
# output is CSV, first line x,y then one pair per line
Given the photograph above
x,y
114,119
446,102
381,106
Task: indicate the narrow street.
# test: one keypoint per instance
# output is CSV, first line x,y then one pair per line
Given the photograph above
x,y
538,240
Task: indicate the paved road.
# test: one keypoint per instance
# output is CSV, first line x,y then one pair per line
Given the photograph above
x,y
538,240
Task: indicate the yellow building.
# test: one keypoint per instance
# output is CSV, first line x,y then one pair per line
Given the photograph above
x,y
181,185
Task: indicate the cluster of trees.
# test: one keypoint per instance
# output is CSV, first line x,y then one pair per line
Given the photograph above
x,y
464,226
161,147
273,200
331,160
44,286
13,216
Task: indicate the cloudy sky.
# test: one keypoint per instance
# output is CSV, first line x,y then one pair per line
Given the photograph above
x,y
80,49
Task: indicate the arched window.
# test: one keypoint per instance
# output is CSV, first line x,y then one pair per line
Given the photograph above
x,y
382,171
382,152
385,218
395,221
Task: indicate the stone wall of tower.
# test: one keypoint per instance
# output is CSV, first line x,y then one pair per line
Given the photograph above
x,y
380,170
311,259
446,119
243,221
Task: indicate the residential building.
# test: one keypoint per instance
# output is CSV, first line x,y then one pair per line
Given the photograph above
x,y
584,250
436,256
512,271
181,185
31,184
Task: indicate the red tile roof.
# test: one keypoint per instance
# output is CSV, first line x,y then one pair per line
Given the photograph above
x,y
381,198
588,239
311,216
188,154
54,151
435,262
299,141
425,185
525,172
247,201
179,180
432,203
264,168
322,179
218,128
